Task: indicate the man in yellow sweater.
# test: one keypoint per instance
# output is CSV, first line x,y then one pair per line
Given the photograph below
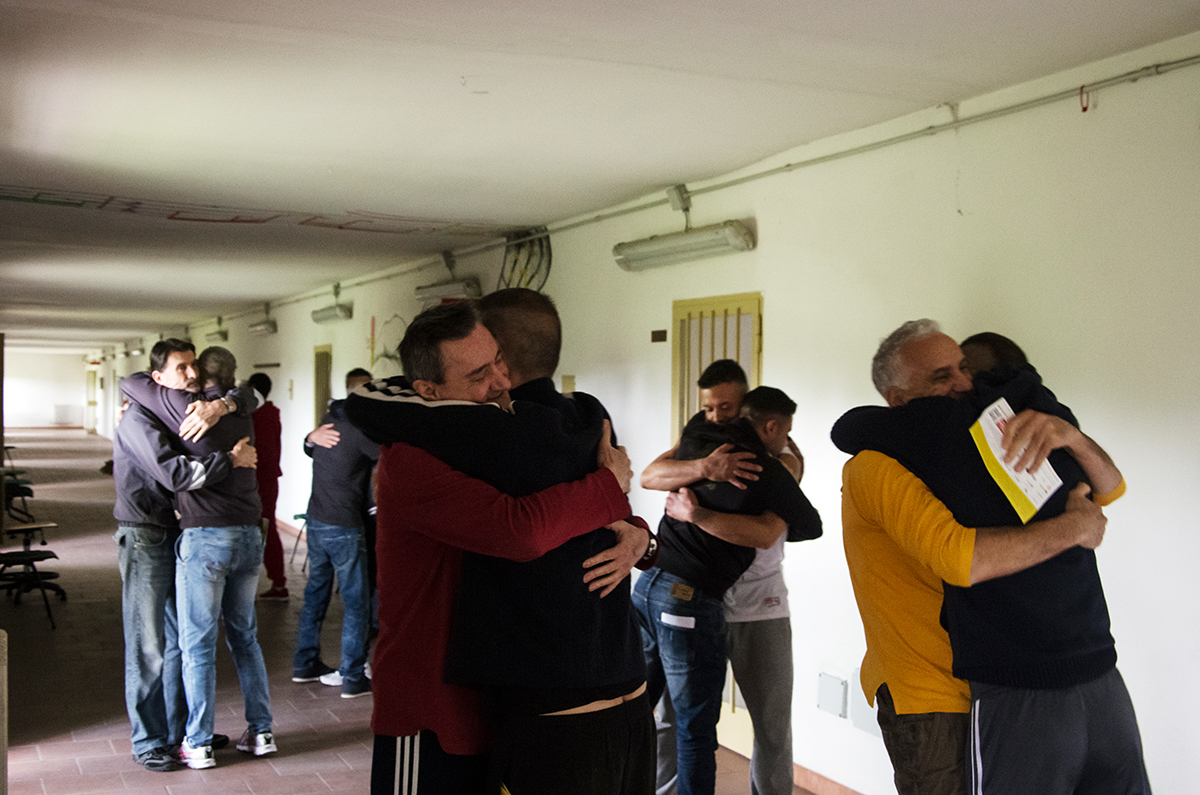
x,y
902,543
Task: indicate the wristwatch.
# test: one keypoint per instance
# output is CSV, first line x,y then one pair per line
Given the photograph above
x,y
651,556
230,404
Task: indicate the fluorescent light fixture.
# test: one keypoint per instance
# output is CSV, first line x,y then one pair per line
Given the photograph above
x,y
262,327
135,352
435,294
693,244
220,335
334,312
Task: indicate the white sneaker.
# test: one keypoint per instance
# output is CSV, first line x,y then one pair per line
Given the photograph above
x,y
333,680
196,758
259,744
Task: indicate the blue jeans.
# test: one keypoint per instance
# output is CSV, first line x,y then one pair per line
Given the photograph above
x,y
340,551
217,575
153,673
683,636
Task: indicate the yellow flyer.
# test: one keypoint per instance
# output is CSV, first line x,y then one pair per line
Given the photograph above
x,y
1027,491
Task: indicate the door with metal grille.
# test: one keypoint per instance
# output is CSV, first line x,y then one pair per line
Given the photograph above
x,y
708,329
322,381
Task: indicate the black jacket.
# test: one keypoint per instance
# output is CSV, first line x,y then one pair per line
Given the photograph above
x,y
531,630
342,473
705,561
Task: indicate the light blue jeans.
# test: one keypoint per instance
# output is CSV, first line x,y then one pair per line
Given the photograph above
x,y
217,575
153,675
341,552
683,636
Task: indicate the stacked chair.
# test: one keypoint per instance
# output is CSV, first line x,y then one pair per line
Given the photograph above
x,y
18,569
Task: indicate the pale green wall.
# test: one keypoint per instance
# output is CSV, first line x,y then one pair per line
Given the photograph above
x,y
1076,234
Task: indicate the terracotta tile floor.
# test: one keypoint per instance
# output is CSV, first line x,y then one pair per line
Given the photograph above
x,y
68,731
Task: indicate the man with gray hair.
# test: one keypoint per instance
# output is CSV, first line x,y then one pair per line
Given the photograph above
x,y
901,544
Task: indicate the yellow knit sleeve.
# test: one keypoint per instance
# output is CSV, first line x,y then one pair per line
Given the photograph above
x,y
892,498
1112,496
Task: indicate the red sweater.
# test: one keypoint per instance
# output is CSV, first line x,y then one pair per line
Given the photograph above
x,y
428,514
267,430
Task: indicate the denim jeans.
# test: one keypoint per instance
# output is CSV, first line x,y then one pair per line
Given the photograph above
x,y
217,575
153,675
341,552
683,635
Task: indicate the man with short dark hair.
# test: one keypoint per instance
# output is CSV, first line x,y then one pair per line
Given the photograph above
x,y
148,469
722,387
709,537
326,435
343,459
902,543
552,699
217,572
987,349
429,513
757,615
758,626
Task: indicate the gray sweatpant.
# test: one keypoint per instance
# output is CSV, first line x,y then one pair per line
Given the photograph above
x,y
1080,740
761,655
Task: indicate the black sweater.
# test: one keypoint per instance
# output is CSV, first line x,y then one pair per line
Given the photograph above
x,y
342,473
1044,627
529,630
710,563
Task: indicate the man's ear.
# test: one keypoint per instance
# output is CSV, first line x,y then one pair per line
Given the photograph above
x,y
894,396
766,430
156,375
426,389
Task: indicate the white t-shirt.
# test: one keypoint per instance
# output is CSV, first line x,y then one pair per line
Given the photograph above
x,y
760,593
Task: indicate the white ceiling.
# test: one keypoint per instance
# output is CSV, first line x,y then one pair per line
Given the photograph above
x,y
162,162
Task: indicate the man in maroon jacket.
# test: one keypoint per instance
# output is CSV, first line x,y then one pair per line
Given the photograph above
x,y
267,432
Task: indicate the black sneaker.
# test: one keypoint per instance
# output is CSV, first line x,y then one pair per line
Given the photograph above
x,y
356,688
219,741
313,672
158,760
